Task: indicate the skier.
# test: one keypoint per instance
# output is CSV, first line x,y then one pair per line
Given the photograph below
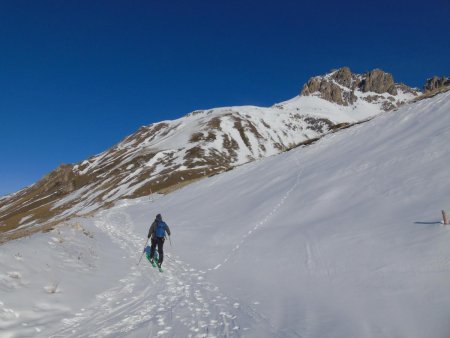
x,y
157,232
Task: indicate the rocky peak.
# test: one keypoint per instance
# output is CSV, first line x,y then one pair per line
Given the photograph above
x,y
327,90
436,83
344,77
342,86
378,82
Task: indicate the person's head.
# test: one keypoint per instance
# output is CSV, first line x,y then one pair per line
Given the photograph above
x,y
158,217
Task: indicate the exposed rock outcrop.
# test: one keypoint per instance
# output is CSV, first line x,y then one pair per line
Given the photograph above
x,y
344,77
436,83
340,86
378,82
328,90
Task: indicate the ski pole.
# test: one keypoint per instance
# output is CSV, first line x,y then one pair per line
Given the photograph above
x,y
170,241
143,252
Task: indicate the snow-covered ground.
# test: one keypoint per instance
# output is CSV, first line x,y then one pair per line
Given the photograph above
x,y
339,239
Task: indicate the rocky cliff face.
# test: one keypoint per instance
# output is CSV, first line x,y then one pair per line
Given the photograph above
x,y
378,82
436,83
168,155
342,87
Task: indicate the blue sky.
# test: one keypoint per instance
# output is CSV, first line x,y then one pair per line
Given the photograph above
x,y
76,77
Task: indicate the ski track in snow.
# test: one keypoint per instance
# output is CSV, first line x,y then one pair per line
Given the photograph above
x,y
176,303
263,221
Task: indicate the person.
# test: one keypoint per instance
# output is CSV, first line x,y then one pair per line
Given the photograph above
x,y
157,232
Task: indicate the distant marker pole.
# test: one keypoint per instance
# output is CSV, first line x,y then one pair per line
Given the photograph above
x,y
445,217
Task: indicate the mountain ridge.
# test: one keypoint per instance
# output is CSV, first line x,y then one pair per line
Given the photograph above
x,y
166,155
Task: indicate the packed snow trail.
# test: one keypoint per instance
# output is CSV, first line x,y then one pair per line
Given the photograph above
x,y
146,303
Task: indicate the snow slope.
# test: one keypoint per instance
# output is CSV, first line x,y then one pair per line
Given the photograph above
x,y
338,239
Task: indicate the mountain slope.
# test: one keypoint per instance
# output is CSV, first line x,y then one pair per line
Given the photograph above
x,y
338,239
167,155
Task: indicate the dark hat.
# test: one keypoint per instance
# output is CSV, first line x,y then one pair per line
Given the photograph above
x,y
158,217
